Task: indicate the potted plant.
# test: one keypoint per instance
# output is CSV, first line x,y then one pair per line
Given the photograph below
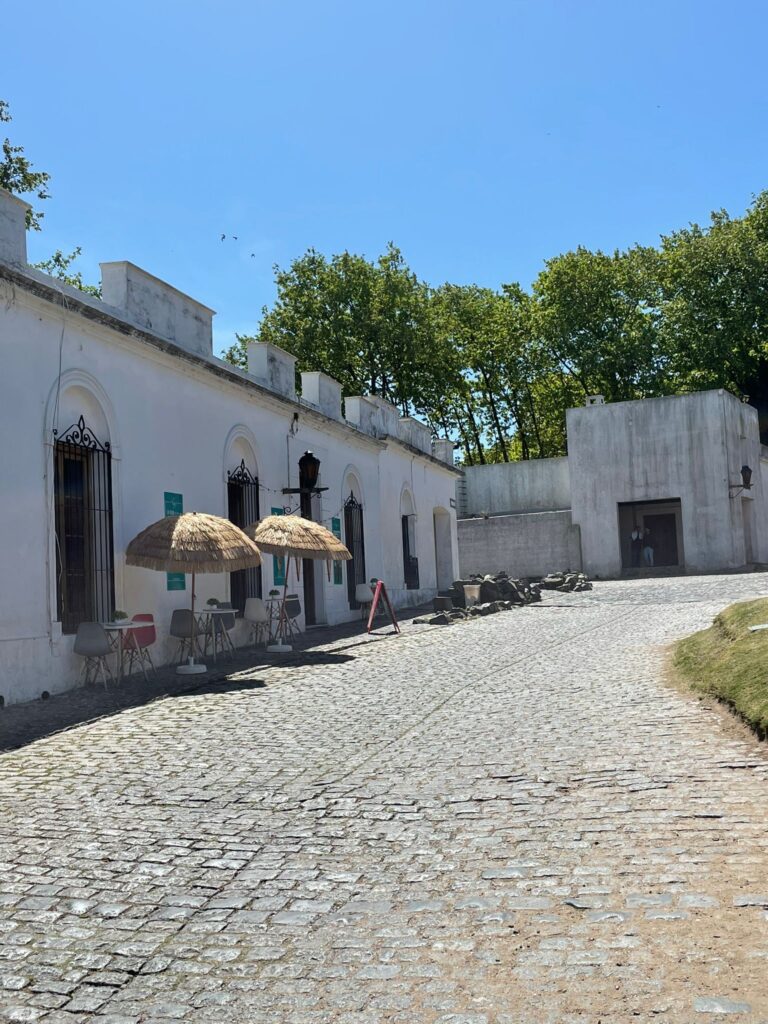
x,y
119,616
213,602
274,593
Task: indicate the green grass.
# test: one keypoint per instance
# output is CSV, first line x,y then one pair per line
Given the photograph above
x,y
728,662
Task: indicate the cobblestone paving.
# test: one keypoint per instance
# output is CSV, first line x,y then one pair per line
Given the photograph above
x,y
511,820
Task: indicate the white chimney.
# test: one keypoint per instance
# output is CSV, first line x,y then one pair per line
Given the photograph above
x,y
13,229
273,368
443,450
362,413
322,391
415,433
158,306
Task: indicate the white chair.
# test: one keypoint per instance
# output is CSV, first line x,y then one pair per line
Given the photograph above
x,y
256,614
364,597
92,644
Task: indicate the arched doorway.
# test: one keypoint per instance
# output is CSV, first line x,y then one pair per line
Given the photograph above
x,y
443,551
354,537
242,510
408,533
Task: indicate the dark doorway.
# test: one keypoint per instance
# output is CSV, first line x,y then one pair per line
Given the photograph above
x,y
663,537
242,510
663,518
410,562
307,565
353,538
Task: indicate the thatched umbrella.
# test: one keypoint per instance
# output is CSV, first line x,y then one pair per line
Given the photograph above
x,y
194,542
295,537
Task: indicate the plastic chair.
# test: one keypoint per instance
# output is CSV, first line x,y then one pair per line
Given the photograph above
x,y
217,631
92,644
184,629
364,597
256,614
292,612
136,644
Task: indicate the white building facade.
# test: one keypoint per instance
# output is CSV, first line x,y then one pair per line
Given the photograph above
x,y
115,412
688,469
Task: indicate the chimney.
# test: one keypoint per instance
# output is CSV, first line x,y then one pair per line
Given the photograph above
x,y
157,306
415,433
361,412
13,229
322,391
443,450
273,368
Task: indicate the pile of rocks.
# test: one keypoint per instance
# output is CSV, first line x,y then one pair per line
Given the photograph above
x,y
565,582
499,593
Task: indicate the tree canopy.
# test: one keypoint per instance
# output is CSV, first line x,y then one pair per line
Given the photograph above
x,y
496,369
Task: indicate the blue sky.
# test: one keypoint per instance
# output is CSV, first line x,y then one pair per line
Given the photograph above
x,y
480,136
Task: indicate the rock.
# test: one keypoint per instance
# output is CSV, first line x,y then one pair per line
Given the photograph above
x,y
443,619
487,608
489,591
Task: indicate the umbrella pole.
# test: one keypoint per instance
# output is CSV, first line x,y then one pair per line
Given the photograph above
x,y
192,667
281,647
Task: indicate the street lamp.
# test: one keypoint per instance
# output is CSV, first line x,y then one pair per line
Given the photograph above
x,y
746,482
309,468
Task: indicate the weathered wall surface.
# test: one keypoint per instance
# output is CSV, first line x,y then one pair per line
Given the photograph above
x,y
689,447
529,544
535,485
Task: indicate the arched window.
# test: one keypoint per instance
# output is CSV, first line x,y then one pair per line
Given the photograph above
x,y
354,536
85,576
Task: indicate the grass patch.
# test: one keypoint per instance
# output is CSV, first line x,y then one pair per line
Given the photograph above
x,y
728,662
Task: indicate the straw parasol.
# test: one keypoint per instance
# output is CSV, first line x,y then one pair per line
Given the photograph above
x,y
194,542
295,537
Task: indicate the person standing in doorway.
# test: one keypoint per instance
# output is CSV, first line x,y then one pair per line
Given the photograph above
x,y
648,548
636,546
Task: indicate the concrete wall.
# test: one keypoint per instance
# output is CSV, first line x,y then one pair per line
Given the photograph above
x,y
534,485
530,544
176,422
689,447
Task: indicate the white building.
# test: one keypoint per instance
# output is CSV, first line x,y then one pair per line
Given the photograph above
x,y
671,466
116,412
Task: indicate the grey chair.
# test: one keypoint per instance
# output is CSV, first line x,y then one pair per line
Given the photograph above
x,y
218,629
184,629
292,612
92,644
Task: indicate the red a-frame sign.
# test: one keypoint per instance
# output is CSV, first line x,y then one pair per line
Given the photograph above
x,y
379,593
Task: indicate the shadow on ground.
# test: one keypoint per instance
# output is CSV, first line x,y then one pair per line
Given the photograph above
x,y
21,724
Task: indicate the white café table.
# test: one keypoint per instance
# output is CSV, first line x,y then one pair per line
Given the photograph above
x,y
115,630
211,611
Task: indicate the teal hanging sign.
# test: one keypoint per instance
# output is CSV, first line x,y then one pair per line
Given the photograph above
x,y
174,506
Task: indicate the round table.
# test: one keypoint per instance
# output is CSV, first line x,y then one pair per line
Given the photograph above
x,y
116,630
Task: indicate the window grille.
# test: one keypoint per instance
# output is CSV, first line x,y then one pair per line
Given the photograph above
x,y
353,537
243,509
85,579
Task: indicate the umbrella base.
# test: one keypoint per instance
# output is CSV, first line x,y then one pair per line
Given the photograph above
x,y
191,668
279,648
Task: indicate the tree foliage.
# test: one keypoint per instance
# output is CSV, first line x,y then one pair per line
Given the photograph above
x,y
496,369
17,174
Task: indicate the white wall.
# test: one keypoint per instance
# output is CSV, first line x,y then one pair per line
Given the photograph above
x,y
689,447
532,485
529,544
174,425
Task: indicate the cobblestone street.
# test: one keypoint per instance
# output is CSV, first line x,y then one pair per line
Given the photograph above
x,y
510,820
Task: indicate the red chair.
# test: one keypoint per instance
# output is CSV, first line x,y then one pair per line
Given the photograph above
x,y
136,644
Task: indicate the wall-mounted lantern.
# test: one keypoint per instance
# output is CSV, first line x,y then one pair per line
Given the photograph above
x,y
309,468
745,485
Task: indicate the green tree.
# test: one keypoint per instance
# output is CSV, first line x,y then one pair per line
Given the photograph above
x,y
364,323
597,316
17,174
714,305
60,266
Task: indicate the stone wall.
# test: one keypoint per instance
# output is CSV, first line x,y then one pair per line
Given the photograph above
x,y
526,545
535,485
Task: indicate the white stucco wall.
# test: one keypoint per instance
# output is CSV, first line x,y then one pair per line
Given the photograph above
x,y
529,544
689,447
174,425
532,485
